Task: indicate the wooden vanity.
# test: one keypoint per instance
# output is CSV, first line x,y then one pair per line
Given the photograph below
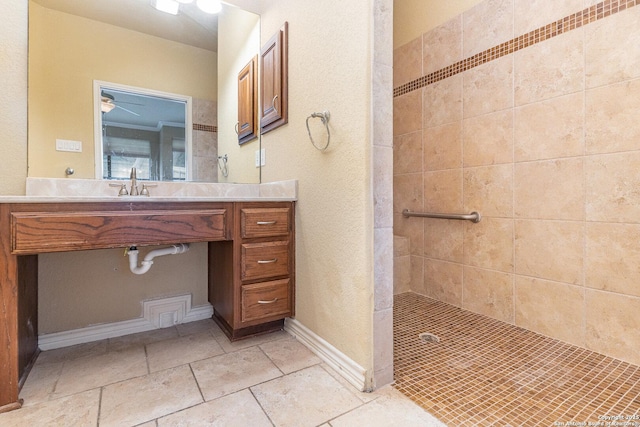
x,y
250,263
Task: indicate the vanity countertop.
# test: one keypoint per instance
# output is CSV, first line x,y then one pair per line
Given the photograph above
x,y
54,190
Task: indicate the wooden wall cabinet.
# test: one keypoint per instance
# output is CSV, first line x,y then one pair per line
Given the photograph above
x,y
274,81
248,102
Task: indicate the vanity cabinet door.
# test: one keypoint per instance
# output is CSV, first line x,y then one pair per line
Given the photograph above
x,y
252,279
274,81
248,102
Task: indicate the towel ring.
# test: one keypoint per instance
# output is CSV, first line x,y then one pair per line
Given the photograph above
x,y
224,168
325,120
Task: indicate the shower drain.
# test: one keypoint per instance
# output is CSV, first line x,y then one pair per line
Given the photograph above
x,y
428,337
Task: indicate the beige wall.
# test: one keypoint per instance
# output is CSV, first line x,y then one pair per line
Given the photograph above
x,y
413,17
238,42
334,222
13,86
66,53
545,144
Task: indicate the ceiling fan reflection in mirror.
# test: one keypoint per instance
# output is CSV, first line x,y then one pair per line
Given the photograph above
x,y
108,103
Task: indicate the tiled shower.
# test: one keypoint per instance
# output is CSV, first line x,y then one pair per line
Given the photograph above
x,y
528,112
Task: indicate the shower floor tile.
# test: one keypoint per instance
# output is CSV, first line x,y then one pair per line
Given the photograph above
x,y
479,371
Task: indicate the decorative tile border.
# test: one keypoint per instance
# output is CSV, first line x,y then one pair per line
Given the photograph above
x,y
561,26
208,128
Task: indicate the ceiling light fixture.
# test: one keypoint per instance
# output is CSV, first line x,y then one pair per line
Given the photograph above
x,y
168,6
209,6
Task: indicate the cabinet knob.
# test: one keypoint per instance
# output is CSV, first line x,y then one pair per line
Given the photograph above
x,y
265,222
267,261
261,301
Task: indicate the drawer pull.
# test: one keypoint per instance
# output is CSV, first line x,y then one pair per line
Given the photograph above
x,y
261,301
266,222
267,261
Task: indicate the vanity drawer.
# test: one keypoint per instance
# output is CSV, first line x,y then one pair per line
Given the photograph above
x,y
264,260
266,300
264,222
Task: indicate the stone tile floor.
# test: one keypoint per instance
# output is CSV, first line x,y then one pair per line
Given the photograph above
x,y
192,375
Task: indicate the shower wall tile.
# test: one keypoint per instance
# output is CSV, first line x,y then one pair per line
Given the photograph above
x,y
612,182
443,281
412,229
550,250
489,293
205,144
383,188
407,153
443,239
613,41
442,102
532,14
550,129
550,189
612,114
401,274
612,257
487,24
551,68
442,46
383,268
408,192
443,191
541,136
488,139
489,190
205,112
407,113
407,62
417,275
401,246
551,308
488,88
613,325
443,147
489,244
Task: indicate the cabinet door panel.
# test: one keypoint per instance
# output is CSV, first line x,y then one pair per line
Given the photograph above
x,y
273,81
247,102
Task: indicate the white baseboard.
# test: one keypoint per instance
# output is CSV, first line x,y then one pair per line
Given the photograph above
x,y
157,314
355,374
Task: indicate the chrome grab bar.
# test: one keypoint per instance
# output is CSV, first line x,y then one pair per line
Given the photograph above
x,y
473,216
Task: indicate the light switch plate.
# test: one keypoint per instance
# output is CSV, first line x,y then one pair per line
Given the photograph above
x,y
68,145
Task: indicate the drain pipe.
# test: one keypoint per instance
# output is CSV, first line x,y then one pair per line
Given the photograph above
x,y
132,252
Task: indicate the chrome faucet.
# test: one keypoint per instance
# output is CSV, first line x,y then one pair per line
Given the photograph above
x,y
134,183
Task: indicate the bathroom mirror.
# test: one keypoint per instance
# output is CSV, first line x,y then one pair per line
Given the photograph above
x,y
128,43
142,129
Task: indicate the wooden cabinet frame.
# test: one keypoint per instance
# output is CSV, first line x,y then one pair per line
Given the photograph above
x,y
274,90
248,102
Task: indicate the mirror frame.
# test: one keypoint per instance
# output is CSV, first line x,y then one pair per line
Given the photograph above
x,y
99,85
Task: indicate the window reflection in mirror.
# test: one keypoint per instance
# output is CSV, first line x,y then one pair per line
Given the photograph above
x,y
142,128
